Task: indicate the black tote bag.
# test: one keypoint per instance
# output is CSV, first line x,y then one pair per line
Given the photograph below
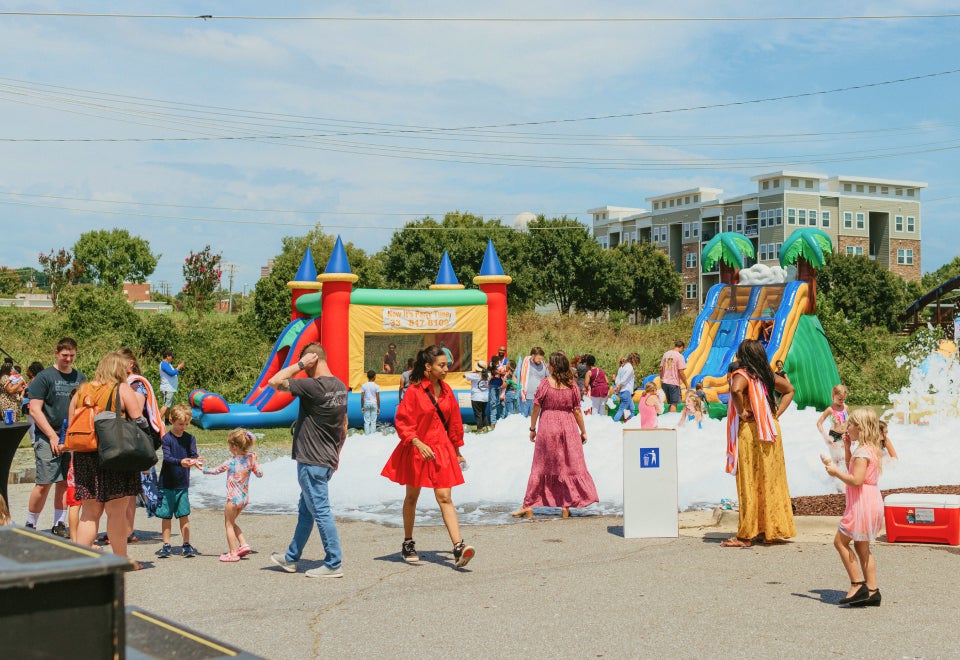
x,y
121,443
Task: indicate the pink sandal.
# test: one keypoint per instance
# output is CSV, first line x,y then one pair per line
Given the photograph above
x,y
243,550
227,557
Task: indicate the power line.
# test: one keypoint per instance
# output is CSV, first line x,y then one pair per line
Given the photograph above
x,y
491,19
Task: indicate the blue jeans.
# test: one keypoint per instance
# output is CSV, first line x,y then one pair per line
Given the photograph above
x,y
495,405
626,406
512,404
369,418
315,508
526,407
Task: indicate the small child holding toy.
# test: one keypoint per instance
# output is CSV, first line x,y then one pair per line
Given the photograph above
x,y
242,463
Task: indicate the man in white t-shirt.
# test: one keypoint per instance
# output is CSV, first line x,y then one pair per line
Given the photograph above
x,y
533,369
371,403
673,373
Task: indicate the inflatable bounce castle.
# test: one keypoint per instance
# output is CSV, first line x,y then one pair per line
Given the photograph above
x,y
775,305
371,330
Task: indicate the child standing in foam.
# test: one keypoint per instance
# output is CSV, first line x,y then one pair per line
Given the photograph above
x,y
692,411
837,414
649,406
242,463
863,517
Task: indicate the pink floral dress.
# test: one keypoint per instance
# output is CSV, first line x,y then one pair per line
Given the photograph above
x,y
238,469
863,518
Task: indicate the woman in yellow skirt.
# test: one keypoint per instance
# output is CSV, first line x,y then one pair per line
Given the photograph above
x,y
755,449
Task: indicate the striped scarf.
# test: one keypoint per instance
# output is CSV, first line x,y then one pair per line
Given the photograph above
x,y
762,415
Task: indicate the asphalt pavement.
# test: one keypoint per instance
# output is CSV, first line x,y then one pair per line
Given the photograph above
x,y
548,588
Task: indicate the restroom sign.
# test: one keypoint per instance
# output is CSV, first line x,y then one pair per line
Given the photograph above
x,y
649,457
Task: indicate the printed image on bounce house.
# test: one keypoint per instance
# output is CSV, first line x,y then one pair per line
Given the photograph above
x,y
377,330
775,305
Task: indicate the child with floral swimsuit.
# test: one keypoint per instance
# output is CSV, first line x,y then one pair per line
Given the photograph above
x,y
238,467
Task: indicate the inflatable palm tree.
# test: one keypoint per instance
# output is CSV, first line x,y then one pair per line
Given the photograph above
x,y
728,249
807,247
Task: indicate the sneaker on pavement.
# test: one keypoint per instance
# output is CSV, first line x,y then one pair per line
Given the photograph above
x,y
409,551
462,554
281,561
324,571
164,551
29,526
189,551
60,530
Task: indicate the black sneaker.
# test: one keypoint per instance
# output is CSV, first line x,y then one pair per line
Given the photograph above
x,y
189,551
164,551
409,551
462,554
60,530
29,526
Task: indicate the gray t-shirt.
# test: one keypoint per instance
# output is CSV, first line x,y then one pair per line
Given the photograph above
x,y
54,389
535,373
318,435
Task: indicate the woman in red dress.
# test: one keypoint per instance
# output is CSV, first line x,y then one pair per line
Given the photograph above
x,y
428,455
558,476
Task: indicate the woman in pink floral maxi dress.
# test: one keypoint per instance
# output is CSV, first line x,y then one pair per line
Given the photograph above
x,y
558,476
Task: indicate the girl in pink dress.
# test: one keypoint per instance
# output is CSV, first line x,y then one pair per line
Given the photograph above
x,y
559,476
649,406
238,467
863,517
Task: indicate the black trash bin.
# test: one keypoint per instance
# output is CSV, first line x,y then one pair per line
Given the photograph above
x,y
151,637
58,599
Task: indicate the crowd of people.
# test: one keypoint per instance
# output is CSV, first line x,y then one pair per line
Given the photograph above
x,y
554,393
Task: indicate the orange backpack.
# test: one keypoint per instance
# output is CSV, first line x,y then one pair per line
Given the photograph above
x,y
81,433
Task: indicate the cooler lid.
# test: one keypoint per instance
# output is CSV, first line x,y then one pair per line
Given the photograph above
x,y
923,500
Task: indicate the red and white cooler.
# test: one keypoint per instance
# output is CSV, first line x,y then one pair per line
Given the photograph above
x,y
922,518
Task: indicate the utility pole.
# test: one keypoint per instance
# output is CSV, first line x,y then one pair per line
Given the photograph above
x,y
231,269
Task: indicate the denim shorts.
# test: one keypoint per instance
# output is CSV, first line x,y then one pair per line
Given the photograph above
x,y
672,392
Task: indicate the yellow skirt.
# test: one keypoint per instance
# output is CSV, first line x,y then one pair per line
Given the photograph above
x,y
765,506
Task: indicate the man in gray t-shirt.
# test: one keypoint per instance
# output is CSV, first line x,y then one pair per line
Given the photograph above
x,y
318,438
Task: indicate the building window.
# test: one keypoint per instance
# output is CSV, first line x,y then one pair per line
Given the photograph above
x,y
825,218
696,229
766,185
776,253
691,293
763,252
911,224
763,218
686,230
898,223
779,216
808,183
854,251
861,222
729,223
656,206
791,216
812,214
794,183
686,200
696,199
847,187
859,187
905,257
691,259
776,183
884,190
899,192
740,222
801,216
847,220
873,190
910,192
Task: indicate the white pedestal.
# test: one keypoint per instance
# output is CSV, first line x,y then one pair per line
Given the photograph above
x,y
650,500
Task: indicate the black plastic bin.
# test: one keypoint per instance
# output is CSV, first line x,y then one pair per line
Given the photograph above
x,y
58,599
151,636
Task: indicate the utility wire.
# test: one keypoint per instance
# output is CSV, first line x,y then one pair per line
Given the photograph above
x,y
491,19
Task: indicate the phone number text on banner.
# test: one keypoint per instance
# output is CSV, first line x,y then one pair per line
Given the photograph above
x,y
419,318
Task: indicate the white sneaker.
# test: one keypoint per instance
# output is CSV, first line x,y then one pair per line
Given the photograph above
x,y
324,571
281,561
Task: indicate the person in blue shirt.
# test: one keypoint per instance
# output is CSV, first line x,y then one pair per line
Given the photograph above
x,y
179,455
169,382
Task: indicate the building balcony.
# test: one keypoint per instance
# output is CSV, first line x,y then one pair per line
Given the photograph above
x,y
751,231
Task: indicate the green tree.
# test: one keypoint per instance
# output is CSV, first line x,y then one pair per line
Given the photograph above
x,y
201,276
412,258
91,311
567,264
270,310
9,281
640,278
862,290
112,257
943,274
60,269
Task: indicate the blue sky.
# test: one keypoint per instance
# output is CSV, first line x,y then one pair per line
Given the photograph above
x,y
372,96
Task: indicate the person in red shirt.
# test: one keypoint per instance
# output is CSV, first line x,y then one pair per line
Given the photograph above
x,y
431,433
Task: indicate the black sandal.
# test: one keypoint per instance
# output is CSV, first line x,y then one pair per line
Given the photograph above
x,y
859,594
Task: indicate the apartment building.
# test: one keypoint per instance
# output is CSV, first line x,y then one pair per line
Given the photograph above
x,y
879,218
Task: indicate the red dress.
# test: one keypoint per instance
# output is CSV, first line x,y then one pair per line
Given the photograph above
x,y
559,476
416,417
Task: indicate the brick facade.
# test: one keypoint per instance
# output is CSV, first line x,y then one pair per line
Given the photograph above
x,y
911,273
